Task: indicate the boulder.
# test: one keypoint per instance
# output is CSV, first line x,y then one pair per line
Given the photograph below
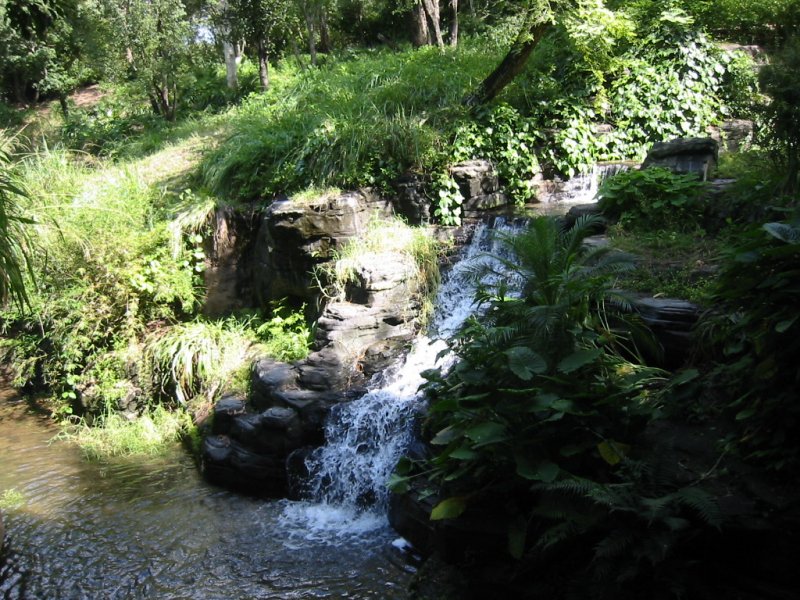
x,y
296,236
684,155
229,261
411,201
672,322
475,178
735,135
479,184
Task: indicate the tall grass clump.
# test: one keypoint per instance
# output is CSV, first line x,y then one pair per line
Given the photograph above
x,y
199,358
15,263
352,122
112,435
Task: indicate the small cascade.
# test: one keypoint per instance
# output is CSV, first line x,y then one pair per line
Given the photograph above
x,y
346,488
582,188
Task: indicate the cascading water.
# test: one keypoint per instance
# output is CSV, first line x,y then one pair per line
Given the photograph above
x,y
346,489
582,188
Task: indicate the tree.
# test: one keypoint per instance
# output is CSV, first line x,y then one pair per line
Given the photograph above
x,y
779,81
40,44
261,23
538,20
152,39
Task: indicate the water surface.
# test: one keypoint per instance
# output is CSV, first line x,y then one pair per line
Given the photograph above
x,y
152,528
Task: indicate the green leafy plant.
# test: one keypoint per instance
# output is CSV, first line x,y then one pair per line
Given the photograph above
x,y
286,335
753,332
652,198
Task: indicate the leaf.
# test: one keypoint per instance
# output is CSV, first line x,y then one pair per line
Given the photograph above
x,y
784,325
462,453
685,376
525,363
449,508
487,433
578,359
397,483
544,470
613,452
445,436
746,413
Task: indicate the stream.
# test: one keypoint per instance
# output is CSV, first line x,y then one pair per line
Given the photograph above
x,y
152,528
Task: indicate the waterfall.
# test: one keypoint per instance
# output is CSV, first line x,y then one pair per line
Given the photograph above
x,y
582,188
346,488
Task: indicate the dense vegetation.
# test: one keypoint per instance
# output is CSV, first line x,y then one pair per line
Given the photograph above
x,y
544,426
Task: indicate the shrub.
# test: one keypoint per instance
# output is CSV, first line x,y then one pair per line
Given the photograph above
x,y
652,198
753,333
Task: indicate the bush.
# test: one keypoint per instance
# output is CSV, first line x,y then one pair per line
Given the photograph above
x,y
753,333
653,198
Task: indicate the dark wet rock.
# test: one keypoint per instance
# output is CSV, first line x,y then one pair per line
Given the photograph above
x,y
479,184
226,462
684,155
226,410
411,200
296,236
438,580
672,322
229,260
475,178
578,211
268,377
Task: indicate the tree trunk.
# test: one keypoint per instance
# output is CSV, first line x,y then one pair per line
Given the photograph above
x,y
420,36
231,64
432,10
312,41
528,38
263,64
296,51
324,32
454,24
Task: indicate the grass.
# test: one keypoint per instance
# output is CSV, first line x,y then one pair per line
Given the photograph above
x,y
11,499
669,264
112,435
349,123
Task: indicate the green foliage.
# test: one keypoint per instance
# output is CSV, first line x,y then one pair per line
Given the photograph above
x,y
40,45
150,44
15,261
537,428
349,123
11,499
652,198
754,332
105,269
197,359
544,363
286,335
112,435
779,81
501,135
669,263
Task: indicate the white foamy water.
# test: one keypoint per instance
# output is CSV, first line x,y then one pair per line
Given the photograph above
x,y
346,490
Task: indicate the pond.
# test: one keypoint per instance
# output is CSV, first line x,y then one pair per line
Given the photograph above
x,y
152,528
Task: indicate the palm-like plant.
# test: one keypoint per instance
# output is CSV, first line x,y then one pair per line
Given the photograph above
x,y
555,286
15,259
